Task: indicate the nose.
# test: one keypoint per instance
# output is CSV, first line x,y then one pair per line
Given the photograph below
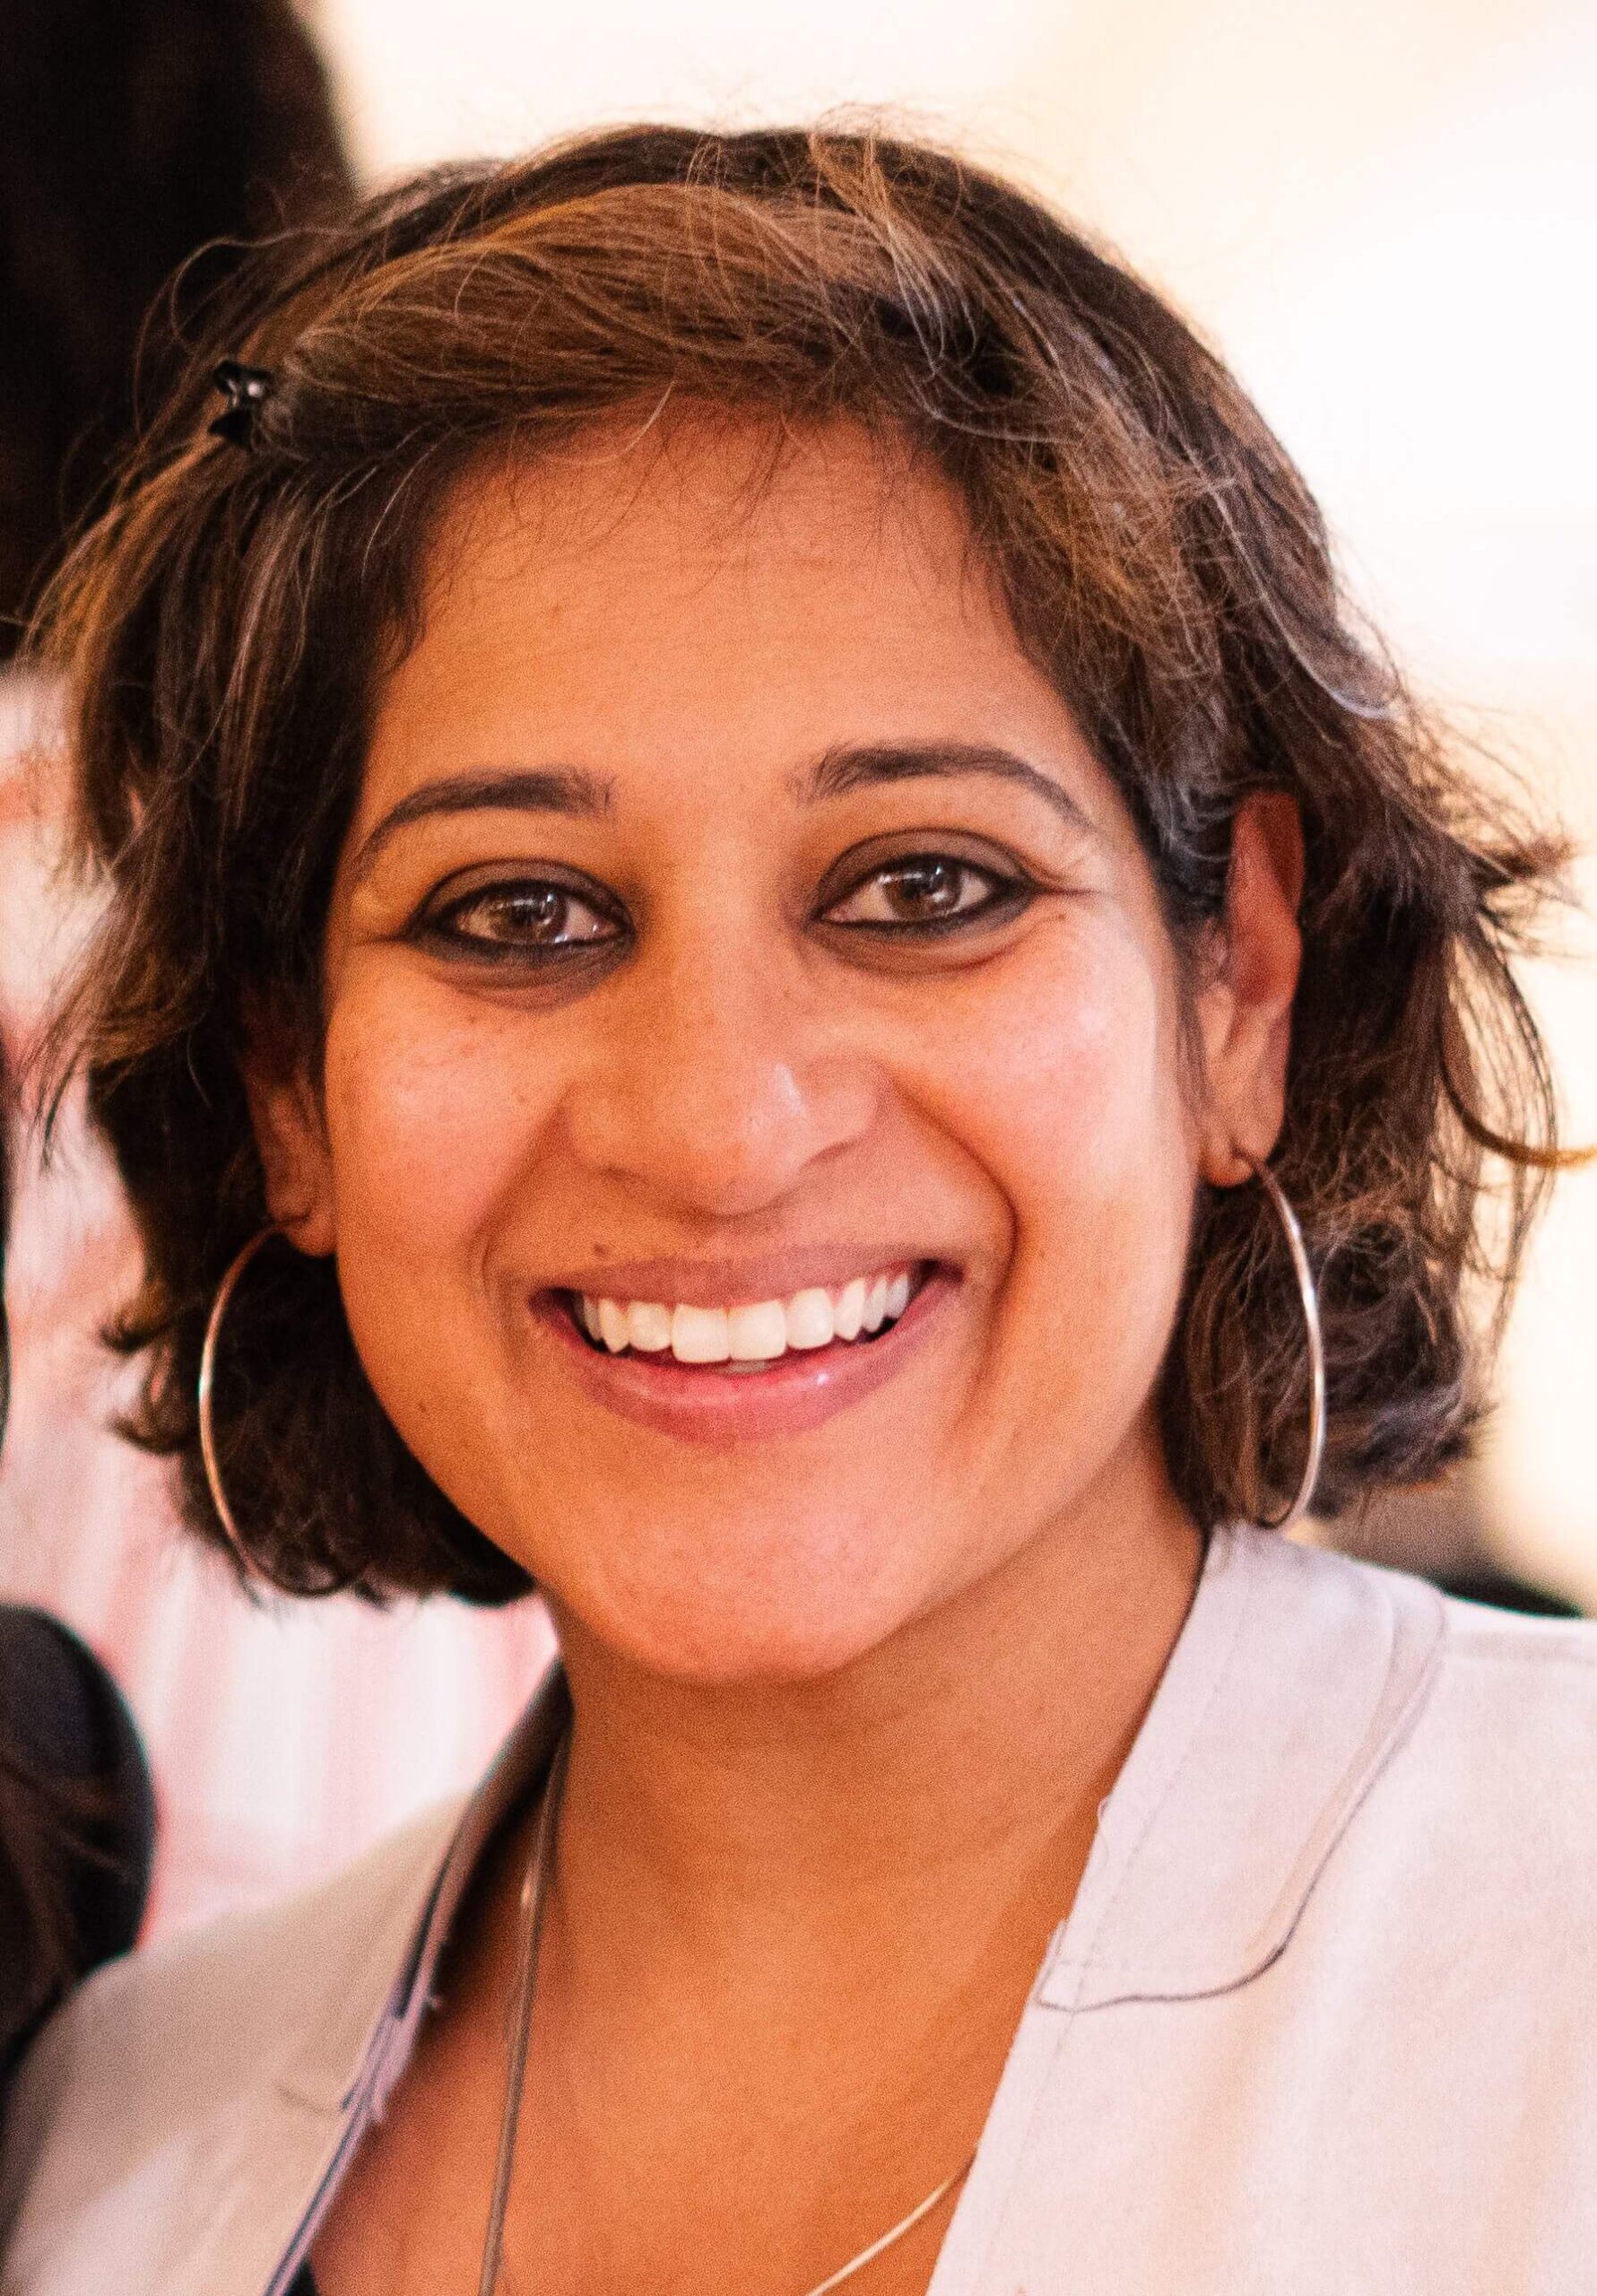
x,y
719,1088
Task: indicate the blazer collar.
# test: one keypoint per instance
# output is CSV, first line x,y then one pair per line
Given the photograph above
x,y
370,2015
346,2054
1296,1676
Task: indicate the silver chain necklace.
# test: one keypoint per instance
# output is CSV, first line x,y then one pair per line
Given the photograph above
x,y
535,1892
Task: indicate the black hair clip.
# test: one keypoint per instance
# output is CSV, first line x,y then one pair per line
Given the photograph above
x,y
247,390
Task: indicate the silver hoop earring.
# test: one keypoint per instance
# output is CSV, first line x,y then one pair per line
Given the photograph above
x,y
1309,1297
218,1307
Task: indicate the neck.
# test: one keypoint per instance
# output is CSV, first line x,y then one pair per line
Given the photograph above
x,y
795,1924
960,1766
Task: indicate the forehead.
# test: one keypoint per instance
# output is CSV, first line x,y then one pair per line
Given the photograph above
x,y
709,594
700,498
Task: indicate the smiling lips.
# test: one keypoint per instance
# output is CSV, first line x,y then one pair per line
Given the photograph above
x,y
698,1372
753,1338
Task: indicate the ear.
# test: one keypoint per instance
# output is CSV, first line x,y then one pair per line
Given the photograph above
x,y
290,1132
1244,1008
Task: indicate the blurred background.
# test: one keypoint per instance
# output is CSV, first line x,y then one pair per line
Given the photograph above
x,y
1384,215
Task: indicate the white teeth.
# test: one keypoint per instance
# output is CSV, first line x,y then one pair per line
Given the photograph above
x,y
649,1325
849,1314
746,1336
810,1319
758,1333
700,1336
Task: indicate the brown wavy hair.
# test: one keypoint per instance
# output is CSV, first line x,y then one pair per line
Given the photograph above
x,y
227,624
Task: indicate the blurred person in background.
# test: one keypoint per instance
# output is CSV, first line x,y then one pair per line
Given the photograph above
x,y
141,145
76,1813
129,137
775,960
140,142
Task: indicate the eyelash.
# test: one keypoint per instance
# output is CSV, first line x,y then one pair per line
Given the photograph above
x,y
441,922
1008,892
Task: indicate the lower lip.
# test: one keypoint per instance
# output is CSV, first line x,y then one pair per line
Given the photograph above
x,y
703,1404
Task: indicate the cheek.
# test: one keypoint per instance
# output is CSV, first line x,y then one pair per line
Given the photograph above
x,y
431,1121
1074,1100
1070,1102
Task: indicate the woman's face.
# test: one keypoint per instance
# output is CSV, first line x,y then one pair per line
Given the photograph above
x,y
754,1129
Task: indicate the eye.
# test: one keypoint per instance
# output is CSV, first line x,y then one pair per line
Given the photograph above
x,y
535,918
928,893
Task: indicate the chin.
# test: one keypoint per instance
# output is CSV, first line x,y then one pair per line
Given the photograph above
x,y
723,1626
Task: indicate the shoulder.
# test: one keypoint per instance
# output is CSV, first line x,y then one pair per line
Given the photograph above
x,y
156,2058
1500,1648
1512,1718
1487,1805
1507,1702
1450,1749
1529,1680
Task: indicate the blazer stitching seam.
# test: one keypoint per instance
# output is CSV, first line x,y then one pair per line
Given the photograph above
x,y
1082,1963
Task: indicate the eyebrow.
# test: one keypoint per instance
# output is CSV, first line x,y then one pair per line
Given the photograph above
x,y
843,769
515,789
586,796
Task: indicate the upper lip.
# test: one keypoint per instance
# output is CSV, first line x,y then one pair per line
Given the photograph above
x,y
736,1282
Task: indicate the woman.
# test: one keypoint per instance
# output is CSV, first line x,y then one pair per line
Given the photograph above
x,y
750,864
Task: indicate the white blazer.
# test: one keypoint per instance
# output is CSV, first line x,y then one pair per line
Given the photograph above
x,y
1322,2022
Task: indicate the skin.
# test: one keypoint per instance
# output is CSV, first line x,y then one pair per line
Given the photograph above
x,y
847,1693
